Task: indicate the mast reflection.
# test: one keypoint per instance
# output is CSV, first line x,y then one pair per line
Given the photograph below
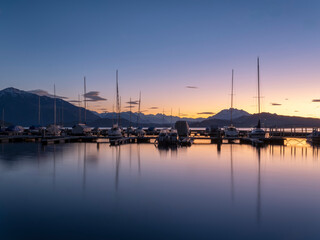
x,y
259,187
118,158
231,174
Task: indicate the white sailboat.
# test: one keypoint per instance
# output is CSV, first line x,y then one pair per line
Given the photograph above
x,y
231,132
258,132
115,132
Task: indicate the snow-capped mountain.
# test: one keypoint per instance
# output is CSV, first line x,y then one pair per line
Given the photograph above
x,y
149,118
226,114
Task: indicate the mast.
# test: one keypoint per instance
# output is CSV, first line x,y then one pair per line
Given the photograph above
x,y
163,116
171,117
139,109
3,117
79,103
55,106
130,111
258,66
231,98
85,99
61,112
112,114
120,112
118,100
39,112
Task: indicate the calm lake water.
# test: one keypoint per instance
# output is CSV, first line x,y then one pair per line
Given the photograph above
x,y
79,191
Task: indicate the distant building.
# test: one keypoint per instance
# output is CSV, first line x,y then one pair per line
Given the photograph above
x,y
80,129
182,128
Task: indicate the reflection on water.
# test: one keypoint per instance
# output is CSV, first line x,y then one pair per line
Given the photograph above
x,y
139,191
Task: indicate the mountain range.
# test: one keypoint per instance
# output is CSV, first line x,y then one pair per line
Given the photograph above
x,y
22,108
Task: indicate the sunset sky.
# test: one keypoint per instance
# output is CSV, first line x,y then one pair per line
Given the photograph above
x,y
161,47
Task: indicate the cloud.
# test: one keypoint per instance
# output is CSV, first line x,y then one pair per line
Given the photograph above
x,y
133,102
44,93
153,108
93,96
276,104
287,99
74,101
205,113
296,111
315,100
192,87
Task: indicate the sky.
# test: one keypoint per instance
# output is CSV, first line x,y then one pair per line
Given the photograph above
x,y
161,47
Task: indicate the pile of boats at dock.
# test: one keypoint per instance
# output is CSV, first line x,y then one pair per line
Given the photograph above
x,y
179,135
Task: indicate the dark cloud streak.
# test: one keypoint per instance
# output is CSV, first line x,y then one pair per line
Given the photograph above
x,y
93,96
205,113
276,104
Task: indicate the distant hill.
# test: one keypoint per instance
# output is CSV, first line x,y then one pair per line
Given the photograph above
x,y
21,108
267,120
226,114
149,118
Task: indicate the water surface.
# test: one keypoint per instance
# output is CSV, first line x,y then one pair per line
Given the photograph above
x,y
86,191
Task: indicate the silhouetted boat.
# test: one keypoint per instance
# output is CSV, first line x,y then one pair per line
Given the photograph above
x,y
314,137
53,130
183,132
162,138
231,132
14,129
115,132
172,138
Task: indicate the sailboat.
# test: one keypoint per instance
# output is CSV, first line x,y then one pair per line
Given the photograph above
x,y
139,131
115,132
257,132
231,132
54,130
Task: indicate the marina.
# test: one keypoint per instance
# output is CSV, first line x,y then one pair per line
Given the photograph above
x,y
274,136
159,120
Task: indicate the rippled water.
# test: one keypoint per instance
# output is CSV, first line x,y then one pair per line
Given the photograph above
x,y
82,191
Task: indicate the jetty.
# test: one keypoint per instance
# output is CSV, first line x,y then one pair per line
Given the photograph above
x,y
274,136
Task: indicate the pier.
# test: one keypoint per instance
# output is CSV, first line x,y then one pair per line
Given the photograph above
x,y
274,136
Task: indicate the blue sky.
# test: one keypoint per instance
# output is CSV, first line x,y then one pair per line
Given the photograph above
x,y
160,47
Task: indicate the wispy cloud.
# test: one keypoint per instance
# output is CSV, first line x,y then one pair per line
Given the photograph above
x,y
205,113
296,111
44,93
276,104
192,87
153,108
287,99
315,100
74,101
133,102
93,96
